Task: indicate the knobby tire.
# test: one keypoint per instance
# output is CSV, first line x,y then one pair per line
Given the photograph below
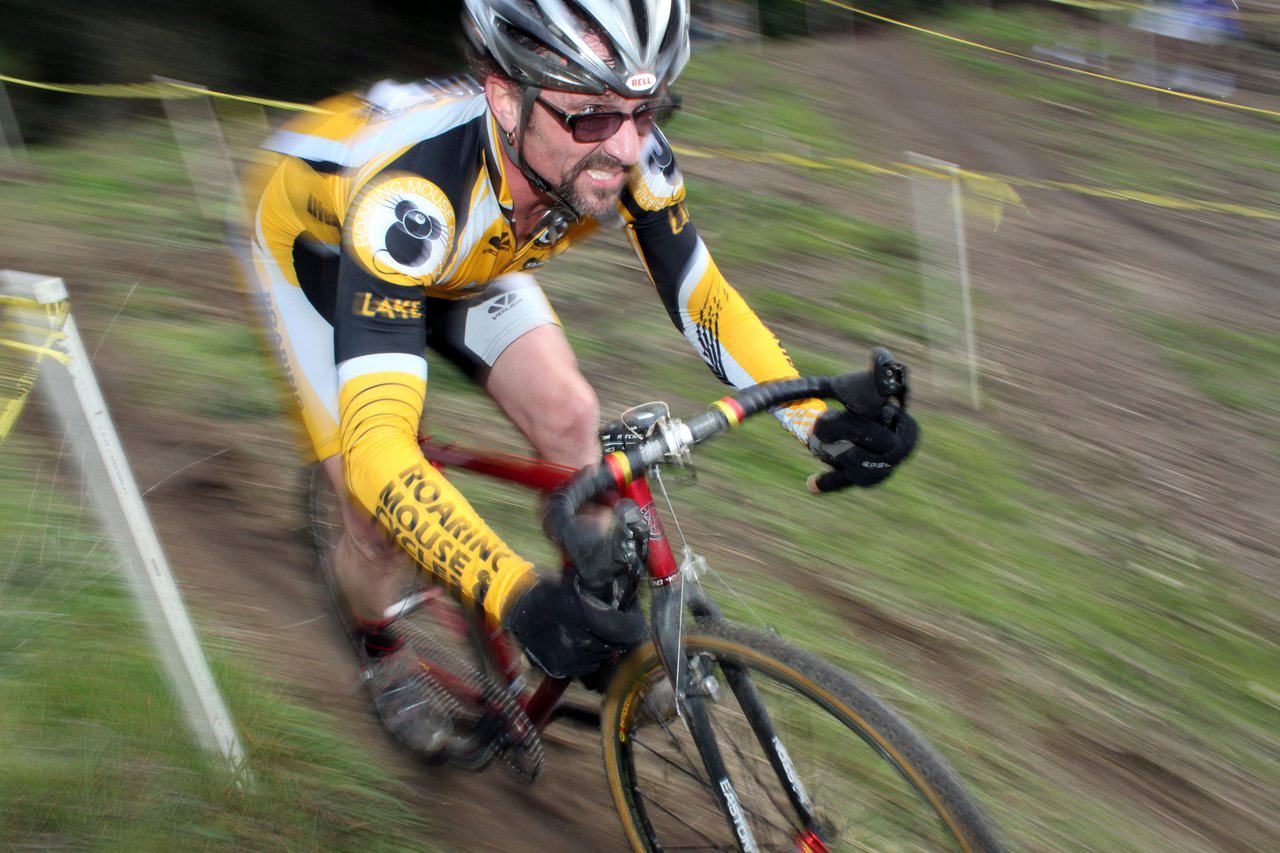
x,y
805,676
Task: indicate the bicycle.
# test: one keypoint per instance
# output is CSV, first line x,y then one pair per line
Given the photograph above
x,y
715,735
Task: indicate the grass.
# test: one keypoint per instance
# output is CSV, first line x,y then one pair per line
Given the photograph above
x,y
95,751
768,108
1237,368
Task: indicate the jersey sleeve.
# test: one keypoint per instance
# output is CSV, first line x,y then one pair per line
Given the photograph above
x,y
398,233
722,328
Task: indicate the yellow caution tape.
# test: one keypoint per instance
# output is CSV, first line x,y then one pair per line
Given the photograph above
x,y
1058,66
20,359
158,89
993,189
978,184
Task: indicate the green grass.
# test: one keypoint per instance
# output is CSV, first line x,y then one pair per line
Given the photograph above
x,y
768,108
96,754
202,366
1238,368
119,183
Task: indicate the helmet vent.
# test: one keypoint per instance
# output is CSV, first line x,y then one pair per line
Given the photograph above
x,y
640,11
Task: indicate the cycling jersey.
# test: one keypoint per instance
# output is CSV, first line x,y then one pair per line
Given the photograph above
x,y
406,188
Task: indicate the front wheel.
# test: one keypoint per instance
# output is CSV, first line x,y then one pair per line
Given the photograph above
x,y
815,761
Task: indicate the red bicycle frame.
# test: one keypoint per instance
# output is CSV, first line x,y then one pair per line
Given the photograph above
x,y
542,476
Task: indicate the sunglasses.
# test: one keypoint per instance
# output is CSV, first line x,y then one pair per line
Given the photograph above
x,y
599,126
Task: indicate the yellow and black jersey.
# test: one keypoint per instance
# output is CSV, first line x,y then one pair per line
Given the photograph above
x,y
406,186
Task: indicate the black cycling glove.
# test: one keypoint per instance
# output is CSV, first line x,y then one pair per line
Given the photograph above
x,y
568,632
600,554
864,450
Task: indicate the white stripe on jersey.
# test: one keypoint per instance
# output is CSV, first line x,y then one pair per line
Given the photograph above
x,y
415,125
693,272
382,362
307,147
425,121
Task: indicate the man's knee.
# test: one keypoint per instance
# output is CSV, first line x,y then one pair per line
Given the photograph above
x,y
566,426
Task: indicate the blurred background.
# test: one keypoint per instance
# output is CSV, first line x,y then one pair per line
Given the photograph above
x,y
1071,590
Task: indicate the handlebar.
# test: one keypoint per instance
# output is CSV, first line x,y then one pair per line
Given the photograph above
x,y
864,393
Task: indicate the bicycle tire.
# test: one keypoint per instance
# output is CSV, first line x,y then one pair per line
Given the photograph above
x,y
893,742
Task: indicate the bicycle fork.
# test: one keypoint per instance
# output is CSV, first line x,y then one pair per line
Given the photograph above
x,y
666,612
692,702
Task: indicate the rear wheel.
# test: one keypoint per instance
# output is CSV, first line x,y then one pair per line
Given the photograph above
x,y
866,780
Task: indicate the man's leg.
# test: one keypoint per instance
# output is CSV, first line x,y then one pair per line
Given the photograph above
x,y
536,382
370,568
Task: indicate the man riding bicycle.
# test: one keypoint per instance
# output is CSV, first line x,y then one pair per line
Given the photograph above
x,y
409,217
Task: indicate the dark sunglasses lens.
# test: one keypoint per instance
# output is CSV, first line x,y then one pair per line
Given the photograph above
x,y
648,118
596,127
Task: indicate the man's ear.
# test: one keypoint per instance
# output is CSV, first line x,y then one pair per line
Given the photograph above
x,y
504,100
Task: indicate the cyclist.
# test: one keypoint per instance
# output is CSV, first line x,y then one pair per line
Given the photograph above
x,y
409,217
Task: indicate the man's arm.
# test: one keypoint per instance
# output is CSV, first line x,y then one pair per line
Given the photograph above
x,y
722,328
379,339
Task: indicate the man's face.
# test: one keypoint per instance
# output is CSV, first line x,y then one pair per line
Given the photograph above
x,y
590,175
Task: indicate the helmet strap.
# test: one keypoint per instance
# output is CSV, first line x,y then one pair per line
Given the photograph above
x,y
513,142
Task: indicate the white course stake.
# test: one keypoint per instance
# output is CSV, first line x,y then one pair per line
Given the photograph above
x,y
10,136
204,152
157,594
937,201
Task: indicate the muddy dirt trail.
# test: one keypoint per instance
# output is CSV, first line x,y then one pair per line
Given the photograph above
x,y
1057,288
231,525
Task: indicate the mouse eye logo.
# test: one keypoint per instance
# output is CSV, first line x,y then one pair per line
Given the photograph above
x,y
402,228
409,238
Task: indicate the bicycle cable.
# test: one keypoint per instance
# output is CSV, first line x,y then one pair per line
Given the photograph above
x,y
686,560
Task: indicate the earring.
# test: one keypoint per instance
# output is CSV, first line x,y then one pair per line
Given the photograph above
x,y
511,137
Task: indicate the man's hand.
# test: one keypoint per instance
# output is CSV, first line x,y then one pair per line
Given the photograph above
x,y
600,551
568,632
864,450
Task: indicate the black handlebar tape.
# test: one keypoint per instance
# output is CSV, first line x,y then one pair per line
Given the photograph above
x,y
564,501
617,469
758,398
828,481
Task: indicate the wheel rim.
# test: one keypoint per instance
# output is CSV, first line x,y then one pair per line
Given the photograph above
x,y
864,797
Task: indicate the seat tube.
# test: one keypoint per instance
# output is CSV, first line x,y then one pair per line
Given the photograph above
x,y
662,562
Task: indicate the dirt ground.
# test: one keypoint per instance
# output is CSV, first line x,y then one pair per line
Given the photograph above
x,y
1066,370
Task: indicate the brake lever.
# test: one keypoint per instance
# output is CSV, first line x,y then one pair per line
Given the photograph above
x,y
866,393
890,376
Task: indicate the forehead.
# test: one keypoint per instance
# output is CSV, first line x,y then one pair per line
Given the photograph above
x,y
610,98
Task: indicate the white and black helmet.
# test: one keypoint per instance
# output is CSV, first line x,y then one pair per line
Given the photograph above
x,y
544,43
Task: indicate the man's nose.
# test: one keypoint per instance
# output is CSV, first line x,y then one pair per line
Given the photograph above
x,y
624,146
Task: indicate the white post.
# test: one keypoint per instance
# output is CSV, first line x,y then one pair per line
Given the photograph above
x,y
10,136
937,203
157,594
204,151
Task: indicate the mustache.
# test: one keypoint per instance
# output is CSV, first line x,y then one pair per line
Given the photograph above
x,y
597,160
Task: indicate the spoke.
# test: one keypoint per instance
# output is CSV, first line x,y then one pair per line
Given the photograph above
x,y
692,774
674,741
755,775
706,785
714,845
